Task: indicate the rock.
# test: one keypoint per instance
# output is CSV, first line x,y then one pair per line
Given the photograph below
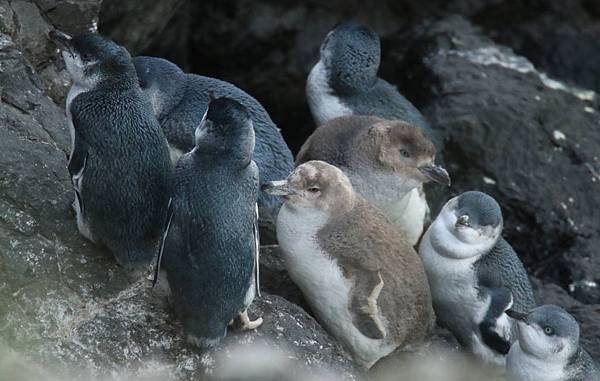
x,y
134,24
133,334
527,140
588,315
275,279
563,41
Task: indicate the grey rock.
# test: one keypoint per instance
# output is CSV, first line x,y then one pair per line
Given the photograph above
x,y
530,142
134,24
275,279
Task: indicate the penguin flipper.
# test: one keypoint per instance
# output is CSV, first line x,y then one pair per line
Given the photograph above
x,y
77,163
167,227
365,311
256,253
494,333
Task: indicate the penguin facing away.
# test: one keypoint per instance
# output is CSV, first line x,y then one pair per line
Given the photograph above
x,y
387,162
547,348
475,276
365,283
119,160
209,253
180,101
344,81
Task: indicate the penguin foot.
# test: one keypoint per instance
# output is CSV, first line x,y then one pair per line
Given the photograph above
x,y
243,322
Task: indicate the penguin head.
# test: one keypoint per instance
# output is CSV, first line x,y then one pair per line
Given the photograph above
x,y
547,332
226,131
402,150
160,80
314,186
469,224
92,59
350,54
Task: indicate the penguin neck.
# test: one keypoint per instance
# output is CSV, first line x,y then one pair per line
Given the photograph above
x,y
446,244
220,156
119,81
523,365
379,186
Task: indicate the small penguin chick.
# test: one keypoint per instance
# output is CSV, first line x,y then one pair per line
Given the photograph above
x,y
344,82
475,275
210,245
547,348
362,279
119,160
387,161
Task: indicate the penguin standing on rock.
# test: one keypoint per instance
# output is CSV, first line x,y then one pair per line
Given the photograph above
x,y
180,101
475,276
387,161
365,283
119,161
344,81
547,348
210,245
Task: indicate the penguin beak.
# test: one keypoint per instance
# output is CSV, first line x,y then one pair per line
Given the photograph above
x,y
278,188
435,173
519,316
62,40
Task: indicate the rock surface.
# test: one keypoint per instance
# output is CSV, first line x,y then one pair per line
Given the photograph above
x,y
530,142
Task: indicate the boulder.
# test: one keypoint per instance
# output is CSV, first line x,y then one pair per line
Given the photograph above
x,y
529,141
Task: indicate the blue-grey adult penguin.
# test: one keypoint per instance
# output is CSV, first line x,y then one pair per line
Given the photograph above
x,y
119,161
475,275
344,81
547,348
180,100
210,245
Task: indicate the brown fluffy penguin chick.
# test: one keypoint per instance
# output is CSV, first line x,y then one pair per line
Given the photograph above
x,y
387,162
362,279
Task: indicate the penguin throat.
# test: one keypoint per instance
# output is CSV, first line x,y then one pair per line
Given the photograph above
x,y
448,245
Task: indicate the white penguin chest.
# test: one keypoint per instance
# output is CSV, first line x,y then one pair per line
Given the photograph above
x,y
452,281
322,282
406,209
323,102
521,366
74,91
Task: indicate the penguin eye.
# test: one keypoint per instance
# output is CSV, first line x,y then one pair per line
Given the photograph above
x,y
548,331
314,189
86,57
404,153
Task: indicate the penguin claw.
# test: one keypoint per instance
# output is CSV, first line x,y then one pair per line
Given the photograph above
x,y
245,324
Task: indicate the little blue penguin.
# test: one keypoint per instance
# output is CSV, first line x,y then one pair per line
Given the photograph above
x,y
475,276
547,348
119,161
387,162
344,81
363,280
180,100
209,251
